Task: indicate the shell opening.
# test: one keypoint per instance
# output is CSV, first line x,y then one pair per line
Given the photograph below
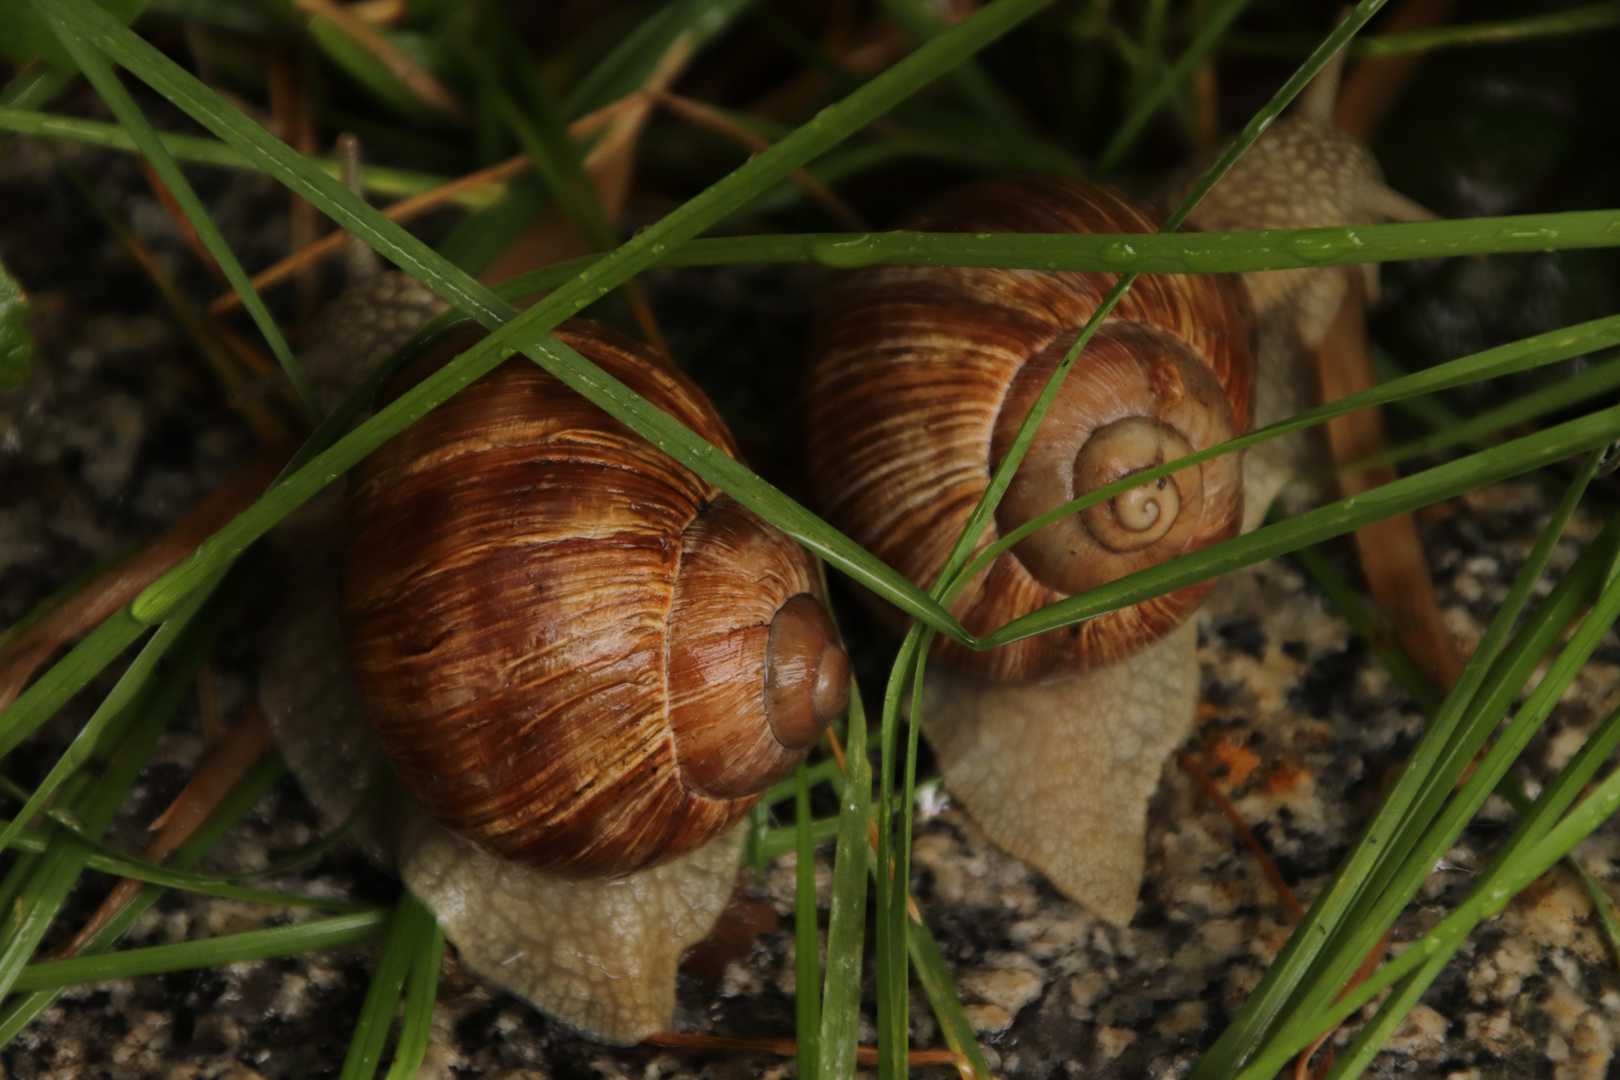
x,y
806,673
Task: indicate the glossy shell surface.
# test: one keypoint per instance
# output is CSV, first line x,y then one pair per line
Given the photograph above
x,y
920,375
560,632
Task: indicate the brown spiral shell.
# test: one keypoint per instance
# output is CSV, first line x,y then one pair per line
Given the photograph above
x,y
921,376
578,654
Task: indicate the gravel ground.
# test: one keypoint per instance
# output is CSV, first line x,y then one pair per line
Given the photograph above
x,y
121,427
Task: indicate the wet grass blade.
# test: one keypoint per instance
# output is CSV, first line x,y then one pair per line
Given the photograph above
x,y
806,936
411,934
934,976
846,922
111,862
123,696
891,879
1209,34
1334,519
692,23
1531,851
332,933
833,124
133,121
421,990
1377,848
21,1009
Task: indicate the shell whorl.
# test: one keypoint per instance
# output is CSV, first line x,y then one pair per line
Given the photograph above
x,y
566,639
920,377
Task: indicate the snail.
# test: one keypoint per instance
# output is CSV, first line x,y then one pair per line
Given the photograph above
x,y
585,663
919,376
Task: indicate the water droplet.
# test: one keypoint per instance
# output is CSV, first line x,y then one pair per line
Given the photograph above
x,y
658,249
1542,235
1314,248
843,253
982,236
1119,251
581,302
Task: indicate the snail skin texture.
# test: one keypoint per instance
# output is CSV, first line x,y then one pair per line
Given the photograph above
x,y
584,662
1055,745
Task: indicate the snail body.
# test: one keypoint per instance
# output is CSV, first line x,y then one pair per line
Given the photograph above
x,y
921,376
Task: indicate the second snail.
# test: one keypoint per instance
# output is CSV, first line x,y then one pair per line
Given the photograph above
x,y
920,376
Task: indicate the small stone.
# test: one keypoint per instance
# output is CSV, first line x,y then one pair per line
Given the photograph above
x,y
988,1019
1112,1041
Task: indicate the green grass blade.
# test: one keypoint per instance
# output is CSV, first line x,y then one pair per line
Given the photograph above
x,y
411,932
527,332
1147,253
126,738
1280,982
806,939
893,968
21,1009
92,26
1441,826
110,862
122,695
778,842
16,349
921,21
846,922
1347,28
1569,21
197,150
66,677
1529,853
421,990
375,75
133,121
34,86
1214,26
1437,818
1596,381
1365,623
332,933
690,23
43,892
934,976
1334,519
1371,1038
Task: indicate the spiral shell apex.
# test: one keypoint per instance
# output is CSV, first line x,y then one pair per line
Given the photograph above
x,y
578,654
921,376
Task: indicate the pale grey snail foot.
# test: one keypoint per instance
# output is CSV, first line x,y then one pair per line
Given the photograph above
x,y
1059,773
